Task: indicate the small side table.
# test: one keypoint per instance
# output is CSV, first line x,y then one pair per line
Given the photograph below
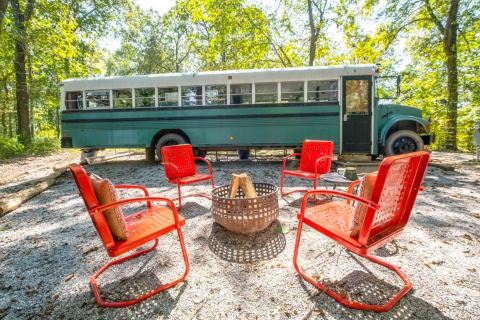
x,y
333,179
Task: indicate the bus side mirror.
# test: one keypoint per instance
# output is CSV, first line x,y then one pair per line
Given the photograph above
x,y
388,87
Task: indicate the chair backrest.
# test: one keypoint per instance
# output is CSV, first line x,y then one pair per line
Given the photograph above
x,y
181,156
311,151
91,202
398,181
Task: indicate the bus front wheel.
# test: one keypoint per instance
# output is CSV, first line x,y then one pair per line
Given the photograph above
x,y
403,141
170,139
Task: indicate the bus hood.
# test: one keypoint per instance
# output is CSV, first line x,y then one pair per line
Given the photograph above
x,y
389,110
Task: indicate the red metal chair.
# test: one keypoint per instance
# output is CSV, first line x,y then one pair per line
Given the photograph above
x,y
142,227
315,160
393,195
180,168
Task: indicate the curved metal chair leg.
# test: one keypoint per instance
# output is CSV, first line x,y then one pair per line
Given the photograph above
x,y
118,304
203,195
354,304
282,182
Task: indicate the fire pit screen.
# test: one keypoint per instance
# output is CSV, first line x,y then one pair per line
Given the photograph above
x,y
245,215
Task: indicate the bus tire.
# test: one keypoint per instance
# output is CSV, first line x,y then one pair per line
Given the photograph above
x,y
199,153
244,154
170,139
403,141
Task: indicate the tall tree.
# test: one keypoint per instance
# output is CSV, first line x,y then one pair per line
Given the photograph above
x,y
316,21
21,17
448,31
3,12
228,34
443,20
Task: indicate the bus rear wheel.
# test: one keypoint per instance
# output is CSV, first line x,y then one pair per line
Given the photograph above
x,y
170,139
199,153
403,141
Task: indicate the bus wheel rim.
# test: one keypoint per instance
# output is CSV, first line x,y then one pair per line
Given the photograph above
x,y
404,145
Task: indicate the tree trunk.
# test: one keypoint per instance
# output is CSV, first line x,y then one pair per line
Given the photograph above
x,y
313,34
450,48
3,11
10,125
21,94
31,96
4,123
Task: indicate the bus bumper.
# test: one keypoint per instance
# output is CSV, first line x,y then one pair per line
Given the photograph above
x,y
428,139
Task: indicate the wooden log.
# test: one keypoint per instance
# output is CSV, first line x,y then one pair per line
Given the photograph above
x,y
247,186
21,175
244,182
442,166
234,184
15,200
101,159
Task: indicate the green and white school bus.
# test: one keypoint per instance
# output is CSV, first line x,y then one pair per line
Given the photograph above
x,y
241,109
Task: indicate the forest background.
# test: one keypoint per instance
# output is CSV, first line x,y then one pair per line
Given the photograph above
x,y
433,44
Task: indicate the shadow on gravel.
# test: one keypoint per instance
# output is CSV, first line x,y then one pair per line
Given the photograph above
x,y
140,283
192,210
241,248
365,287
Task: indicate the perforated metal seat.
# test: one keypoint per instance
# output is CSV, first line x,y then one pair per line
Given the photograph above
x,y
299,173
180,168
142,227
191,179
398,181
145,226
315,160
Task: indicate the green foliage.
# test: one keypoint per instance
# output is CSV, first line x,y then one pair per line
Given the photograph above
x,y
10,147
412,27
63,41
43,146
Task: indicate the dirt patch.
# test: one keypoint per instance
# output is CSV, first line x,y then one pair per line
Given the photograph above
x,y
49,249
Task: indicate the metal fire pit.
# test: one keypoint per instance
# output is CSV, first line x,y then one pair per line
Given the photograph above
x,y
245,215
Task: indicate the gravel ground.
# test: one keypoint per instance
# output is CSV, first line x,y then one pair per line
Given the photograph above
x,y
49,249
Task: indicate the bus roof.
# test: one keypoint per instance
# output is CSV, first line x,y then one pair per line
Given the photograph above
x,y
220,77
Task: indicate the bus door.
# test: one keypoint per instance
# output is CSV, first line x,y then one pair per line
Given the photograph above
x,y
357,114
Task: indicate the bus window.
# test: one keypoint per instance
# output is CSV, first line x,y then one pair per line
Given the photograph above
x,y
356,99
266,92
168,97
98,98
215,94
241,93
192,96
292,91
323,90
74,100
122,98
144,97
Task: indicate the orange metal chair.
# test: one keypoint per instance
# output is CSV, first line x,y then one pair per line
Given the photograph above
x,y
142,227
315,160
180,168
393,195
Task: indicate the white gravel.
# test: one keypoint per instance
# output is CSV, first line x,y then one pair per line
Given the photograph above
x,y
49,249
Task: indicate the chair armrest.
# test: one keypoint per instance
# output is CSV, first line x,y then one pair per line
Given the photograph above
x,y
335,193
124,202
352,185
320,159
133,186
286,158
207,162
